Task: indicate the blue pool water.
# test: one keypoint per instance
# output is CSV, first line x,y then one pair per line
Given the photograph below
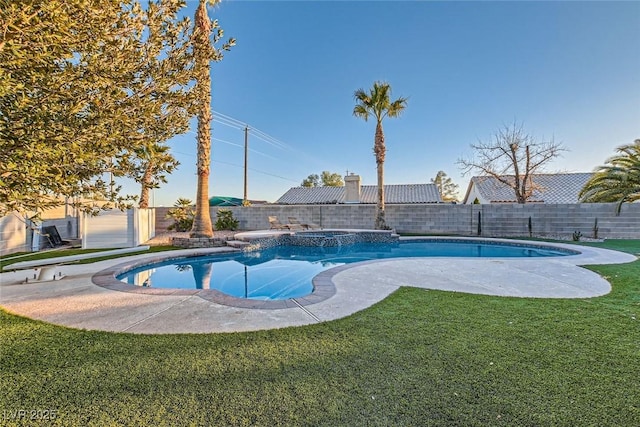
x,y
287,271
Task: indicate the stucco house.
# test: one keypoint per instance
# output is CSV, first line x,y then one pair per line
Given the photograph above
x,y
555,188
353,192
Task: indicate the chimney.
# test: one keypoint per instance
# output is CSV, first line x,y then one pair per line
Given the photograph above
x,y
352,188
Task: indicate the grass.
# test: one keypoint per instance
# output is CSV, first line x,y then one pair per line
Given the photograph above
x,y
631,246
26,256
417,358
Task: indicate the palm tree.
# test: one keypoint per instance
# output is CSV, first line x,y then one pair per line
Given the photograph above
x,y
619,181
204,51
155,161
377,103
202,226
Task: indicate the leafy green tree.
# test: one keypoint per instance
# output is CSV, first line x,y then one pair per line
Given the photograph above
x,y
377,103
206,34
447,188
326,179
52,142
149,167
618,181
512,157
330,179
312,180
84,88
161,86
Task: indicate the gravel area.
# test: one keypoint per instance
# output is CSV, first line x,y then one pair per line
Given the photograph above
x,y
164,239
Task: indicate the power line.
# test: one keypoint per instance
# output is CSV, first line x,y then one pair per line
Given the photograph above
x,y
230,121
242,146
239,166
235,144
259,134
229,118
270,140
254,170
234,123
230,124
256,132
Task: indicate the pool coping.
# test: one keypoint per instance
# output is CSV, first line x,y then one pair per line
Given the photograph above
x,y
323,285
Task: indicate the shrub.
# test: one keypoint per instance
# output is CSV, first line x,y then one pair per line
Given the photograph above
x,y
182,214
225,220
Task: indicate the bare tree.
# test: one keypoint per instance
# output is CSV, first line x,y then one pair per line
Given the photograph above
x,y
512,157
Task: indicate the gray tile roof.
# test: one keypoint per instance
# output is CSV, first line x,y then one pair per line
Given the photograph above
x,y
405,193
552,188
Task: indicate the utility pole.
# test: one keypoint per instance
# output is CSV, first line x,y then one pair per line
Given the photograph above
x,y
245,201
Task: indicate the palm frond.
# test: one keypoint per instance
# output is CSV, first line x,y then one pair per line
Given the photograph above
x,y
619,181
397,107
377,102
361,111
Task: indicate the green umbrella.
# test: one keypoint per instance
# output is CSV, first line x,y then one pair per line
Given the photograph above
x,y
225,201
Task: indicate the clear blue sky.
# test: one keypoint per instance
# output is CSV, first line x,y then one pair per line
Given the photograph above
x,y
567,70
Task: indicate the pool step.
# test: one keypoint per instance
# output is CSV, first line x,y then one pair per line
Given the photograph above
x,y
237,243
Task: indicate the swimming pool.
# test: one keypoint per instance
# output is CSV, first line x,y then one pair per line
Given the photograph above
x,y
285,272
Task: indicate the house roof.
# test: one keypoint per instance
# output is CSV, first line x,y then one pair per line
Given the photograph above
x,y
552,188
405,193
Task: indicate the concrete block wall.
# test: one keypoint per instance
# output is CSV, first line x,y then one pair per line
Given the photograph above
x,y
560,220
163,223
505,220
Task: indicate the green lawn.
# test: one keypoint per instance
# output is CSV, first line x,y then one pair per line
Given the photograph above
x,y
418,358
24,256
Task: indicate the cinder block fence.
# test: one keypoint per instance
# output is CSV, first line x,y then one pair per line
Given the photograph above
x,y
496,220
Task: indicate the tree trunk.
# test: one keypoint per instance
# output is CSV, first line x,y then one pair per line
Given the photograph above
x,y
202,226
380,150
146,186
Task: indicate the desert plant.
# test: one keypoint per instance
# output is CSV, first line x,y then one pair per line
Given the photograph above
x,y
595,228
182,214
576,236
225,220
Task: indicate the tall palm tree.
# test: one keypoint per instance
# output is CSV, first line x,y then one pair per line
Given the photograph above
x,y
202,226
619,181
204,51
377,103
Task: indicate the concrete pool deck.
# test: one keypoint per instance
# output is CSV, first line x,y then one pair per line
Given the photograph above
x,y
75,301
